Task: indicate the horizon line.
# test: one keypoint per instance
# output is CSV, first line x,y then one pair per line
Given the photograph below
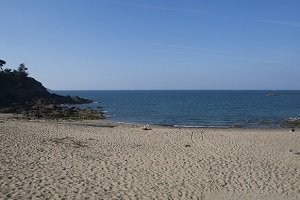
x,y
173,89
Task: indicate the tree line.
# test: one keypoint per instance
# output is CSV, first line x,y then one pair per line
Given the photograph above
x,y
22,69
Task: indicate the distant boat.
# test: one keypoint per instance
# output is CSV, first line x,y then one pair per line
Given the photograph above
x,y
271,94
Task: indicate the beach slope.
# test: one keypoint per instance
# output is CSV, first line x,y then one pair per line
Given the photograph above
x,y
76,161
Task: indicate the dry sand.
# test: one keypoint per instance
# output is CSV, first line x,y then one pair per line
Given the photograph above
x,y
50,160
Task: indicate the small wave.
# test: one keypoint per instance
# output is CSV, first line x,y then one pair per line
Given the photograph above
x,y
190,126
127,123
294,119
95,102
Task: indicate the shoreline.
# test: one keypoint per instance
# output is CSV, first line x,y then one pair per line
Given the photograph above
x,y
198,108
112,123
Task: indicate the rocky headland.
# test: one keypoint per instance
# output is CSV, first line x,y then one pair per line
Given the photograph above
x,y
24,95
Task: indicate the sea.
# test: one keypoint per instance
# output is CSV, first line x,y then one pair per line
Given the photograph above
x,y
195,108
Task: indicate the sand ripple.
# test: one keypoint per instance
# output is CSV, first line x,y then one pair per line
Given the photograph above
x,y
62,161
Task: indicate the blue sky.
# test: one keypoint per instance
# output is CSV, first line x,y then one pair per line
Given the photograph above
x,y
157,44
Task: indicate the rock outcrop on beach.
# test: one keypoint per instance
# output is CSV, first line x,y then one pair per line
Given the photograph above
x,y
20,93
291,123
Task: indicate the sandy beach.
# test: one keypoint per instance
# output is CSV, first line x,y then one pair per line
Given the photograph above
x,y
52,160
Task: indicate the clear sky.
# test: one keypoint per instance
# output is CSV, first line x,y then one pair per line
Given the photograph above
x,y
154,44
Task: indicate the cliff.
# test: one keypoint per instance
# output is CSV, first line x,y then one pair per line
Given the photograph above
x,y
20,93
19,89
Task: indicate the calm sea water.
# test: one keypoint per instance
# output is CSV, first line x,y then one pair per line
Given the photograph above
x,y
196,108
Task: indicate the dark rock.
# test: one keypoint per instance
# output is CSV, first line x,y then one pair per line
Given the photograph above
x,y
24,95
291,123
22,90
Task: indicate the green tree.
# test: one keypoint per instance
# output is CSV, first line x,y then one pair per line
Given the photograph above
x,y
7,71
2,62
23,69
